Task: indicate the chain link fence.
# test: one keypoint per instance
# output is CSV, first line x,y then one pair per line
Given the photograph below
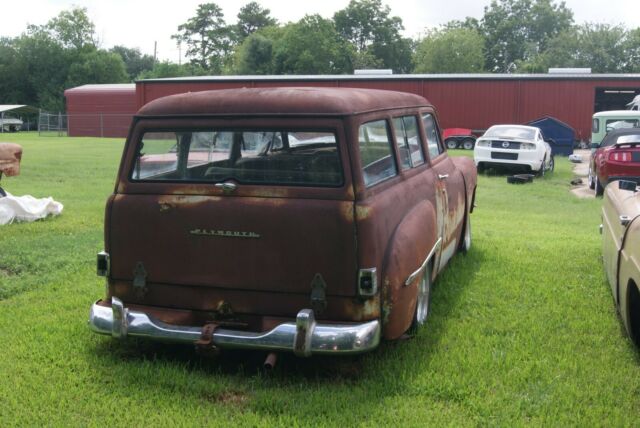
x,y
84,125
52,125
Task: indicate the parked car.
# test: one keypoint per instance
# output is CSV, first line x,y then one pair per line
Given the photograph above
x,y
616,157
515,147
606,121
621,253
10,124
320,231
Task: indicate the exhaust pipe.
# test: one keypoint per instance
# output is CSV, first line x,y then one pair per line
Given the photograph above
x,y
270,361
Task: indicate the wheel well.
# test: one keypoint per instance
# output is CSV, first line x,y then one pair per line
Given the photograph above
x,y
633,309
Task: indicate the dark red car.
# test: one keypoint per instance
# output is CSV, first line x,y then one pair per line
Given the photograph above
x,y
616,157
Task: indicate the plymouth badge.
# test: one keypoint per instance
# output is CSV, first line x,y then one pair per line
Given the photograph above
x,y
224,233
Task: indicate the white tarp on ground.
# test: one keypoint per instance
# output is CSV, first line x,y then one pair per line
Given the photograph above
x,y
27,208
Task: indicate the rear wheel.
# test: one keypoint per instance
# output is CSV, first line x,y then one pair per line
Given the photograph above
x,y
451,143
552,164
468,143
592,182
423,303
542,168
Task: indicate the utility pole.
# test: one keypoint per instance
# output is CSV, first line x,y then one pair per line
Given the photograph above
x,y
179,52
155,52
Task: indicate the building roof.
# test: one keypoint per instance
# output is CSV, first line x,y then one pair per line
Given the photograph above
x,y
347,77
110,87
18,108
281,101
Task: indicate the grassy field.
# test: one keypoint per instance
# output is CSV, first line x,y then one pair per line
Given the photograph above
x,y
523,330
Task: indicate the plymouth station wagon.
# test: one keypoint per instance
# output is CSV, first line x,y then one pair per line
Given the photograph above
x,y
309,220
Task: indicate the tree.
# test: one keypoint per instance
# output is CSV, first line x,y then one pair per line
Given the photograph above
x,y
97,66
44,63
251,18
12,74
254,56
517,30
374,34
134,61
207,37
602,47
455,50
311,46
165,69
632,49
73,28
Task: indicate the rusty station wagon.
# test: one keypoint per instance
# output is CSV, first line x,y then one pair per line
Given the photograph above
x,y
310,220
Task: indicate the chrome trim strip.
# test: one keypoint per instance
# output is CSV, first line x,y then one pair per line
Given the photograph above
x,y
415,274
316,339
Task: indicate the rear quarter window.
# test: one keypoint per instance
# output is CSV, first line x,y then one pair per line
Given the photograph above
x,y
376,155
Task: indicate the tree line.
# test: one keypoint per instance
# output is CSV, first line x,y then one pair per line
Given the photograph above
x,y
512,36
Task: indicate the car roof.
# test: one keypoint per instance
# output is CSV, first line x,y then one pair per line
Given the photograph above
x,y
281,101
532,128
618,132
617,113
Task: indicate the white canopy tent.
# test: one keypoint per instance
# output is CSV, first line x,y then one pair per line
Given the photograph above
x,y
14,108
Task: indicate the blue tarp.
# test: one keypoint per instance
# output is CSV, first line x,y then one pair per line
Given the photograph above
x,y
560,132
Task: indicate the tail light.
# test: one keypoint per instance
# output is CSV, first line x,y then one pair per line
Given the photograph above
x,y
617,156
367,282
103,264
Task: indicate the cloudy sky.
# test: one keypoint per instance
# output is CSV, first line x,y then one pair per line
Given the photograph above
x,y
140,23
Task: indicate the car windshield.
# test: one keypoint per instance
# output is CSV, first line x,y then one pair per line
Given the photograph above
x,y
286,157
508,132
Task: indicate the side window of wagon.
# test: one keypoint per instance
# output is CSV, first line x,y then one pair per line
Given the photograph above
x,y
408,140
375,152
433,137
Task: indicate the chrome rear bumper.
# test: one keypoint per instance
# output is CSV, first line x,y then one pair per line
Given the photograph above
x,y
303,337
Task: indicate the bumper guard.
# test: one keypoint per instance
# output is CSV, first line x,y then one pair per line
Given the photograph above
x,y
304,337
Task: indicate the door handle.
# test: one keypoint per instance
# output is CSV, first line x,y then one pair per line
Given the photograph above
x,y
625,220
443,176
226,187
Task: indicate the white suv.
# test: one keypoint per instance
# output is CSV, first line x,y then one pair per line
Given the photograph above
x,y
516,146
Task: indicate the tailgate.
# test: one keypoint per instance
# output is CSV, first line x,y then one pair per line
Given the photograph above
x,y
240,243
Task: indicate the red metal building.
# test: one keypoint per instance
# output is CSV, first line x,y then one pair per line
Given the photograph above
x,y
474,101
100,110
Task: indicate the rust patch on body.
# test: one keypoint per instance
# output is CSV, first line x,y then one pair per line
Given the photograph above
x,y
363,212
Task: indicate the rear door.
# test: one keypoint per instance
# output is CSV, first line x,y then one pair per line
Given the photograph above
x,y
450,183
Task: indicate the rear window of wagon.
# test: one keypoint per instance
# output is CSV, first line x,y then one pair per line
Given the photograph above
x,y
256,156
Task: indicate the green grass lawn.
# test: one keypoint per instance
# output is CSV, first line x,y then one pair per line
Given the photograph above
x,y
523,330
